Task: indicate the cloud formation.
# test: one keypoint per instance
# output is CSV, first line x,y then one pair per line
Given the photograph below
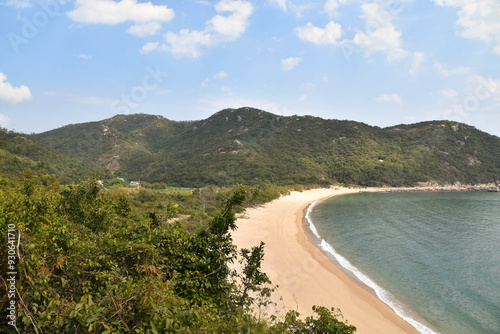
x,y
446,71
331,7
144,29
481,95
289,63
395,98
477,19
418,59
281,3
328,35
218,76
12,94
234,24
111,12
84,56
17,3
146,16
380,34
186,43
150,47
219,29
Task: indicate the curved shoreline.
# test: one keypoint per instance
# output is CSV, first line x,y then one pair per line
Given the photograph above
x,y
304,273
356,275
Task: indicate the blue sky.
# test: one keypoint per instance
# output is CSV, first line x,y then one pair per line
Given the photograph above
x,y
379,62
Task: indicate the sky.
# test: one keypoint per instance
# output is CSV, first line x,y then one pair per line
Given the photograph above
x,y
378,62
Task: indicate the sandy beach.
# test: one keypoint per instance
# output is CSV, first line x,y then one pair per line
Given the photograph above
x,y
304,274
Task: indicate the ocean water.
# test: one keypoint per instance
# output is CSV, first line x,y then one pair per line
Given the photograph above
x,y
433,257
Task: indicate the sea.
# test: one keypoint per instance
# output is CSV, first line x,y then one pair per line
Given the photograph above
x,y
433,257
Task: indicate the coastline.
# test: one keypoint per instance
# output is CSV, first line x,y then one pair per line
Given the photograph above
x,y
306,276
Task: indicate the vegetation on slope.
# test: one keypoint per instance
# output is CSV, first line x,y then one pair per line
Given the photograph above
x,y
253,146
20,151
89,260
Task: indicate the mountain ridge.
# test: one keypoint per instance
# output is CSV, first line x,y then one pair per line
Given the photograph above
x,y
253,146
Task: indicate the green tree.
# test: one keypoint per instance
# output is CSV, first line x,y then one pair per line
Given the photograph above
x,y
88,262
327,321
252,277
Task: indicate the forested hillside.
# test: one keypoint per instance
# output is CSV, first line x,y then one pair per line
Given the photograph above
x,y
18,152
253,146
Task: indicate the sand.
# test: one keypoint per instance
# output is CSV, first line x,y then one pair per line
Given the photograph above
x,y
304,274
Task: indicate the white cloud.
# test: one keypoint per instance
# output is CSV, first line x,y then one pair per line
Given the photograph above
x,y
111,12
309,86
4,121
445,70
418,59
389,98
477,19
220,75
289,63
84,56
12,94
219,29
299,10
17,3
303,98
233,25
144,29
186,43
150,47
380,34
146,16
483,88
331,7
329,35
480,96
281,3
205,82
449,92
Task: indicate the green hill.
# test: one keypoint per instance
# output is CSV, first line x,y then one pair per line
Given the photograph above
x,y
18,152
253,146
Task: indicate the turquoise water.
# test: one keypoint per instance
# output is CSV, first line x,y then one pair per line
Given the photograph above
x,y
433,257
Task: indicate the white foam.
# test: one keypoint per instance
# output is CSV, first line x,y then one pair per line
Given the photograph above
x,y
311,225
381,293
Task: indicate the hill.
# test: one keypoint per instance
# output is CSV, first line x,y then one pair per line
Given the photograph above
x,y
253,146
18,152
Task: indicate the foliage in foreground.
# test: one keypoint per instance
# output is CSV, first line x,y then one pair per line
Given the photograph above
x,y
88,263
328,321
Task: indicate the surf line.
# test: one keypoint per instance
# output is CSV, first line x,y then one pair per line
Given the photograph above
x,y
382,294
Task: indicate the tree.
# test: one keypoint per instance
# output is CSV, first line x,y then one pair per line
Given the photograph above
x,y
252,277
87,262
327,322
